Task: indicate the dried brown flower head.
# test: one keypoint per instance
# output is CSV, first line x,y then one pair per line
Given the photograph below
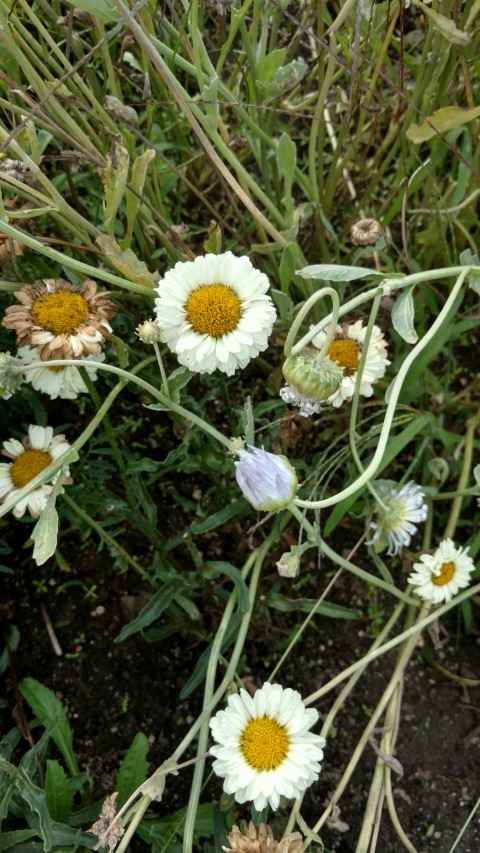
x,y
59,319
365,232
259,839
20,171
108,835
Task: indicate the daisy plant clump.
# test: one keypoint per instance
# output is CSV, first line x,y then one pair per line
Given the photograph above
x,y
64,382
403,508
264,748
268,481
439,576
260,839
214,312
345,350
59,319
310,381
29,458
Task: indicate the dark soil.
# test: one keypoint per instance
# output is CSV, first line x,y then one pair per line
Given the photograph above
x,y
115,690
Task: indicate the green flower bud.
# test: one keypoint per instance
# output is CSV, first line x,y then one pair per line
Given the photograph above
x,y
313,380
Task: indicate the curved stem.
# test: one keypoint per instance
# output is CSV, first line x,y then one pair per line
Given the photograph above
x,y
289,349
396,388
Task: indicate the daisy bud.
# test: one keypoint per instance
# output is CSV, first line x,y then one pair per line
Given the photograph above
x,y
315,380
10,375
268,481
149,332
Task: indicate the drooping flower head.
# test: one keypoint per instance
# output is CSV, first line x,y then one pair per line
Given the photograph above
x,y
309,383
439,576
268,481
263,747
260,839
59,319
65,382
395,525
10,376
30,457
346,350
214,312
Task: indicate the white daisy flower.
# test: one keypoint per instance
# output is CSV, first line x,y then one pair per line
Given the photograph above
x,y
30,457
346,349
65,382
214,312
396,526
268,481
438,577
264,749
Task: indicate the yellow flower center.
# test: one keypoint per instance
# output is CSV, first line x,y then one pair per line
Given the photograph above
x,y
213,309
264,743
447,571
28,465
346,353
61,312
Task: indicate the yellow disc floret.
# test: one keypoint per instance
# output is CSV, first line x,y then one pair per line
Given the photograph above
x,y
447,571
213,309
28,465
346,354
264,743
61,312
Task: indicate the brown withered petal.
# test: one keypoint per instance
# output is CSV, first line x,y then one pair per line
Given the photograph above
x,y
59,319
365,232
259,839
108,835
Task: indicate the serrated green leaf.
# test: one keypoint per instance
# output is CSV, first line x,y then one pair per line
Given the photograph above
x,y
49,710
337,272
57,792
403,315
440,122
133,770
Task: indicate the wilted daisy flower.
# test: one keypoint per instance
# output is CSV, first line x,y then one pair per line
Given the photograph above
x,y
259,839
264,749
65,382
395,526
59,319
439,576
214,312
30,457
346,350
268,481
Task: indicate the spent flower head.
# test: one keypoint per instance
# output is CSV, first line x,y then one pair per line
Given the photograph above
x,y
395,522
263,747
214,312
63,382
268,481
59,319
260,839
29,458
310,382
439,576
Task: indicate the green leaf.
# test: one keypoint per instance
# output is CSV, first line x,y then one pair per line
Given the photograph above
x,y
133,770
467,258
177,380
139,174
286,271
160,833
403,315
159,602
49,710
57,792
305,605
286,160
115,177
236,509
10,839
127,262
444,25
248,422
440,121
337,272
104,9
269,65
215,568
45,532
198,675
284,305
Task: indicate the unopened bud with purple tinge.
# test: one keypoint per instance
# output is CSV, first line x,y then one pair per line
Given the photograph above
x,y
268,481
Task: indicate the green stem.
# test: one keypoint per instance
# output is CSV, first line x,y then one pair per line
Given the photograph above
x,y
395,388
464,476
289,347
